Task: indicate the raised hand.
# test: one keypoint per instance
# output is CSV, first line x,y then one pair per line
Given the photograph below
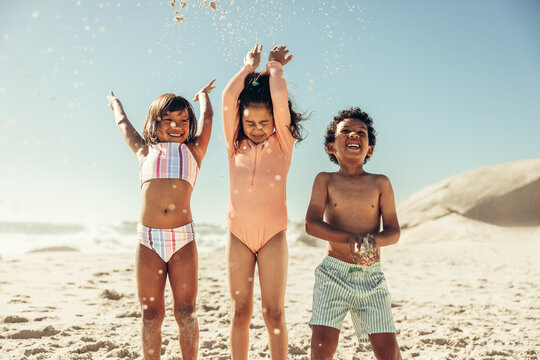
x,y
114,101
206,89
279,53
253,57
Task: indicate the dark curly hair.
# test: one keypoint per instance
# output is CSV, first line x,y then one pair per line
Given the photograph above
x,y
350,113
257,91
159,107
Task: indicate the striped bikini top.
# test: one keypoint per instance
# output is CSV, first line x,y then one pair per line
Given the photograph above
x,y
169,160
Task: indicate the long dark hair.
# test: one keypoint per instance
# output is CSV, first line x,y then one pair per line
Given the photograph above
x,y
257,91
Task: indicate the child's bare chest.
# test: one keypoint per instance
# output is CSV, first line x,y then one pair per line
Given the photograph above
x,y
353,202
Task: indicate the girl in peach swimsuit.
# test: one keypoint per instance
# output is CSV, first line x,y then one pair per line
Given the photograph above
x,y
254,105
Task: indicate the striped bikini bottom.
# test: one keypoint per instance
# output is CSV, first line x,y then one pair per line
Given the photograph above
x,y
165,242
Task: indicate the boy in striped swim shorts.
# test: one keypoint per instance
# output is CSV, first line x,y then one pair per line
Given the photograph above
x,y
346,209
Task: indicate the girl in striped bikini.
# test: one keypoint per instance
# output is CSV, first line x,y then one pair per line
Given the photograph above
x,y
169,153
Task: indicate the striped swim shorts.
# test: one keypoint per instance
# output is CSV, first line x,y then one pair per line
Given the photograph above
x,y
341,287
165,242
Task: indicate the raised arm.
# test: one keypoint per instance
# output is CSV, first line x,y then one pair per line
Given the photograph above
x,y
391,231
315,224
280,96
130,135
231,93
199,146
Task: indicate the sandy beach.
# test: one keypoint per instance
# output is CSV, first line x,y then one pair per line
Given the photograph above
x,y
461,288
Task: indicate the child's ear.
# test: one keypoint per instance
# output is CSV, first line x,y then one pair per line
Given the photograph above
x,y
370,150
330,148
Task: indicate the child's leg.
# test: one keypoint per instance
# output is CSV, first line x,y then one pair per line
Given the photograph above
x,y
241,268
324,341
183,272
272,260
151,276
385,346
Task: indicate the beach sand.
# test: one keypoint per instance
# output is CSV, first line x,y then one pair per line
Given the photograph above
x,y
461,289
474,299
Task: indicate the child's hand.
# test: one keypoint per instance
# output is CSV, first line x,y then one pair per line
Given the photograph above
x,y
207,89
279,53
253,57
363,249
114,101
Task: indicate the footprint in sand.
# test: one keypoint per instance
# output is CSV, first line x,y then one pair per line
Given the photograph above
x,y
34,351
208,344
296,350
134,314
111,295
122,354
209,308
13,319
96,347
34,334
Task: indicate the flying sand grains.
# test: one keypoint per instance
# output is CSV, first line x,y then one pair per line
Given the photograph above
x,y
160,271
277,331
179,18
183,4
172,3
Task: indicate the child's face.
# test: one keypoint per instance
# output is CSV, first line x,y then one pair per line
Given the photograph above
x,y
173,127
258,123
351,141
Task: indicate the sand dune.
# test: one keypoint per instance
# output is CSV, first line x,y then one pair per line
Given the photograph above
x,y
464,279
503,195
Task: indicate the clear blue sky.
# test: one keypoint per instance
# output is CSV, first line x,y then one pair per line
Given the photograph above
x,y
451,85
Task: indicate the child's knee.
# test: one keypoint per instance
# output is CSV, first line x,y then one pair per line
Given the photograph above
x,y
153,312
388,353
386,348
185,313
274,315
242,311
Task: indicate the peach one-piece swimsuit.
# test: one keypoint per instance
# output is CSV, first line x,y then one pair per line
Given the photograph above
x,y
258,172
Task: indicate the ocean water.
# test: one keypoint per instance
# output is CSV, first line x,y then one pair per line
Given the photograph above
x,y
23,237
